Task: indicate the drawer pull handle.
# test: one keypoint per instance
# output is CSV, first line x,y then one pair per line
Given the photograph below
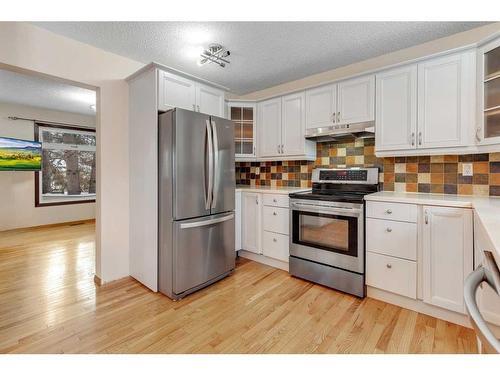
x,y
275,240
389,230
274,213
388,265
388,211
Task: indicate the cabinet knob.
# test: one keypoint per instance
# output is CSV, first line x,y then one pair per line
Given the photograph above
x,y
388,265
194,107
388,211
274,200
275,240
389,230
256,201
274,213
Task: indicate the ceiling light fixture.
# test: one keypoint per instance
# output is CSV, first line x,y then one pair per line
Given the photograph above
x,y
214,54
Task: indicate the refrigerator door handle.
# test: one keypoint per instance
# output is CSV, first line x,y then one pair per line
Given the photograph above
x,y
209,187
204,223
215,185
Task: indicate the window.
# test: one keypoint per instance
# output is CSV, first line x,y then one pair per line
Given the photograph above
x,y
68,174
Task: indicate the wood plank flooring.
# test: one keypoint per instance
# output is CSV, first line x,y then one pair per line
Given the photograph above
x,y
50,304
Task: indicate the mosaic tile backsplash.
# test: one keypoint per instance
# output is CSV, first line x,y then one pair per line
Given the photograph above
x,y
425,174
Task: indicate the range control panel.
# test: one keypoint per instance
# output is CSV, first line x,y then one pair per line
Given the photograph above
x,y
346,176
343,175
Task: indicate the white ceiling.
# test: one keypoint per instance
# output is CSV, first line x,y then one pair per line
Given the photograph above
x,y
45,93
263,54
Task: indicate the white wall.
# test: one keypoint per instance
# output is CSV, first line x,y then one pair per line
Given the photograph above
x,y
18,188
29,47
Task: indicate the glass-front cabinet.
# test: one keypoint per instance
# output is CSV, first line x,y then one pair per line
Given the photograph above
x,y
488,131
244,118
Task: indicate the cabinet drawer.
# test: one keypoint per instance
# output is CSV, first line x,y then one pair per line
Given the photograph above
x,y
275,219
275,200
275,246
391,274
394,238
392,211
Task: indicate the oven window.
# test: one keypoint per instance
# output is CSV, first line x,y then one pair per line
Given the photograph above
x,y
327,232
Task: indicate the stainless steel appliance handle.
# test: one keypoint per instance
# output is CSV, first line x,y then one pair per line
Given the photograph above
x,y
472,282
317,207
204,223
209,188
215,186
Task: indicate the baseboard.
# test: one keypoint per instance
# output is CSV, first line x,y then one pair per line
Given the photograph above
x,y
264,260
64,223
418,306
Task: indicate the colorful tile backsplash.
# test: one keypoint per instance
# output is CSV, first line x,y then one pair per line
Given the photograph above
x,y
425,174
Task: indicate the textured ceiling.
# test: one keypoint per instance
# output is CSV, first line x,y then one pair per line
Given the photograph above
x,y
263,54
45,93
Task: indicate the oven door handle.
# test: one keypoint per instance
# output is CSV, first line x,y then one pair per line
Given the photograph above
x,y
325,209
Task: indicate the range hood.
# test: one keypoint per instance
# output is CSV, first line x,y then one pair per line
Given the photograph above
x,y
336,132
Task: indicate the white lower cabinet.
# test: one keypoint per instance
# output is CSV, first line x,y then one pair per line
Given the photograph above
x,y
436,241
447,255
275,245
265,225
237,221
392,274
251,222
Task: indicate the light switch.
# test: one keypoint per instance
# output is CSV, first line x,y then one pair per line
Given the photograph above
x,y
467,169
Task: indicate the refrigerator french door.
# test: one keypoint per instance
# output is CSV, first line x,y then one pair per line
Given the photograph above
x,y
196,201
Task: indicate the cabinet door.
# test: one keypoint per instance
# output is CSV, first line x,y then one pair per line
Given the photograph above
x,y
321,106
175,91
446,101
269,125
293,123
243,117
396,114
356,100
447,255
237,221
209,100
250,222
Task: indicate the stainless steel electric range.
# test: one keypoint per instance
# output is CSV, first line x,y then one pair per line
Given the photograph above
x,y
327,242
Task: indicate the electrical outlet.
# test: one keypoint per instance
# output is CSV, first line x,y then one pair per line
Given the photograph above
x,y
257,170
467,169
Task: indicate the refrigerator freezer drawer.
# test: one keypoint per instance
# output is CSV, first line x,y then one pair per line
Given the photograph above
x,y
203,250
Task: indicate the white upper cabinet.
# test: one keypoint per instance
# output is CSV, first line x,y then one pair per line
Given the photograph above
x,y
356,100
269,113
282,128
321,106
446,101
447,255
176,91
396,109
293,124
209,100
488,92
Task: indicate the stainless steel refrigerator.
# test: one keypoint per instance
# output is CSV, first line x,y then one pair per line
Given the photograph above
x,y
196,201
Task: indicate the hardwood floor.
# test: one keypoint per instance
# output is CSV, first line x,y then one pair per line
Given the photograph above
x,y
50,304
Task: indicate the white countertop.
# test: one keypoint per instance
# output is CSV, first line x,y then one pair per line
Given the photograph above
x,y
487,209
285,190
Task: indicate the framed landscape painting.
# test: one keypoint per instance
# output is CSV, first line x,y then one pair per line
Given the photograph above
x,y
20,155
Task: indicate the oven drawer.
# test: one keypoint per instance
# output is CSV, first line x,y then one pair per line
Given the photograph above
x,y
394,238
392,211
276,219
391,274
276,200
275,246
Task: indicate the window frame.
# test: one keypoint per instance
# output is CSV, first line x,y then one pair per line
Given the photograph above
x,y
38,203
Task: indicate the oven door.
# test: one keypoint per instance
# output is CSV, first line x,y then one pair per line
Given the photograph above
x,y
328,235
